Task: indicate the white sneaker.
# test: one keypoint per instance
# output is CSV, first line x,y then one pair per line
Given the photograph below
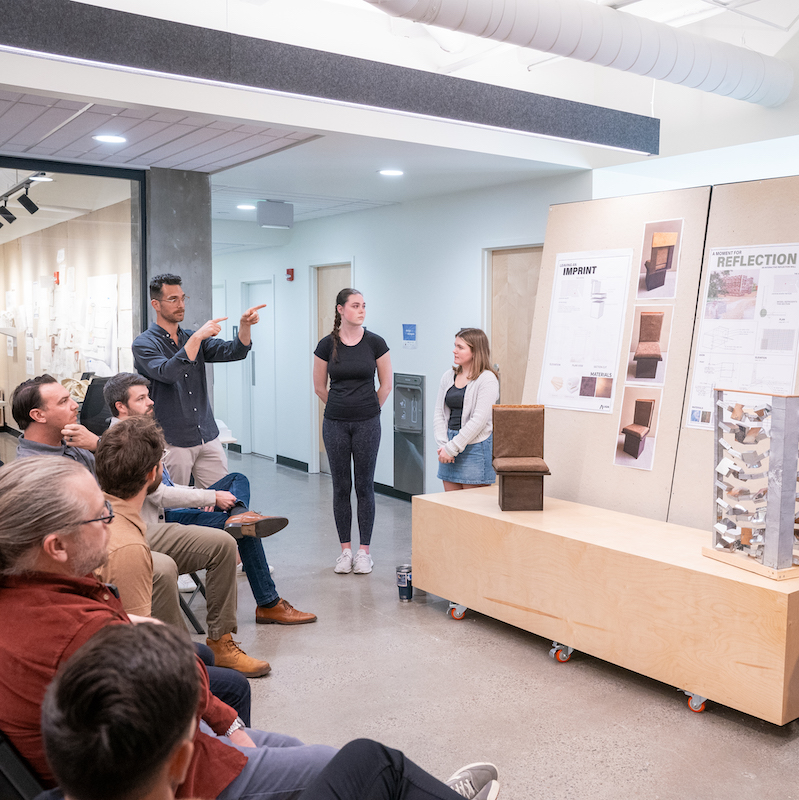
x,y
475,781
344,562
363,563
186,584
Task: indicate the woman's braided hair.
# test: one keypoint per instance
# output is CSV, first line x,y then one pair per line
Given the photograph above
x,y
341,299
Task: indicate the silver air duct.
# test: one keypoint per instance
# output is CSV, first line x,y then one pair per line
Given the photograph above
x,y
601,35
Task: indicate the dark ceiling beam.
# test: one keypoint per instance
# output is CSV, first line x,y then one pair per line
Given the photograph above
x,y
75,30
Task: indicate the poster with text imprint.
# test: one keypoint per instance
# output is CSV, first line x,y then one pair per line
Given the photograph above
x,y
584,333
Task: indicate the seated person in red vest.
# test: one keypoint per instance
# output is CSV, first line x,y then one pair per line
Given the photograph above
x,y
53,534
107,738
46,415
222,505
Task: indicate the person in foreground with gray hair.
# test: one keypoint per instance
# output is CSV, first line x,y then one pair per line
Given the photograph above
x,y
54,524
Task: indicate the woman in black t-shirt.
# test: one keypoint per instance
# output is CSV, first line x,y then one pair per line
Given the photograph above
x,y
350,355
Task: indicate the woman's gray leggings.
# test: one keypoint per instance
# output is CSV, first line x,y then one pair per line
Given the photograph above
x,y
353,442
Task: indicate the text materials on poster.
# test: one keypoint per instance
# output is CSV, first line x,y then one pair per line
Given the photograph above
x,y
749,325
584,333
409,335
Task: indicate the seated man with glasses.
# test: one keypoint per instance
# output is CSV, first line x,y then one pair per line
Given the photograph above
x,y
174,360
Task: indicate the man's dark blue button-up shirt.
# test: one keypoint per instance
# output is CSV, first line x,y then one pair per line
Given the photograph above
x,y
179,389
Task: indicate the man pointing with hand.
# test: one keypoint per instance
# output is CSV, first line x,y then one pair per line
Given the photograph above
x,y
174,360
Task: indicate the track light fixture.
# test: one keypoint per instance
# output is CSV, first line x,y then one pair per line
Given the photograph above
x,y
23,199
27,203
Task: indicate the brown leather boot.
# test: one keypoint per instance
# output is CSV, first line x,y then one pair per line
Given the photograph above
x,y
251,523
227,653
283,614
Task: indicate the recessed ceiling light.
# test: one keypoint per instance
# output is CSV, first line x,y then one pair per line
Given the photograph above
x,y
245,207
391,173
105,139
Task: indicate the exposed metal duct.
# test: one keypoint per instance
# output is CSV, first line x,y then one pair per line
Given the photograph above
x,y
600,35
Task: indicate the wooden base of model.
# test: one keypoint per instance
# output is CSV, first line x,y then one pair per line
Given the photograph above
x,y
629,590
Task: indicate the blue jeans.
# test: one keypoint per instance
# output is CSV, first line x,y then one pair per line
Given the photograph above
x,y
251,549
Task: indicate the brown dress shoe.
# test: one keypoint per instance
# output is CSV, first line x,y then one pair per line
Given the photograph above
x,y
283,614
251,523
227,653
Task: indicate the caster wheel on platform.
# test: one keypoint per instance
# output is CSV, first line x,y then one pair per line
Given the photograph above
x,y
455,614
695,705
562,656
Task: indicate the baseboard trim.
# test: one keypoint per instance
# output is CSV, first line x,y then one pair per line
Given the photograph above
x,y
285,461
390,491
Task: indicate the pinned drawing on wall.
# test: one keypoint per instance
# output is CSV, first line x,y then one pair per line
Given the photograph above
x,y
585,329
638,427
749,325
29,353
660,260
649,344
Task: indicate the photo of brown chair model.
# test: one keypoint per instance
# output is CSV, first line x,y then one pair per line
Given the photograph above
x,y
659,263
635,434
647,354
519,457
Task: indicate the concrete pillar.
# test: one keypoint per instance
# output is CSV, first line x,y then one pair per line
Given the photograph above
x,y
179,237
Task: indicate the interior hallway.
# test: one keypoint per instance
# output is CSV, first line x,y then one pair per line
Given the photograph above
x,y
448,693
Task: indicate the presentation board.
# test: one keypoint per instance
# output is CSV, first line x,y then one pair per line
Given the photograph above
x,y
752,217
591,457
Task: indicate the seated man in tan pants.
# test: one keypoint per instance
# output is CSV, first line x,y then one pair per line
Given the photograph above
x,y
46,415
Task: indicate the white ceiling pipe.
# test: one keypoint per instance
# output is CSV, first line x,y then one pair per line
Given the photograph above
x,y
600,35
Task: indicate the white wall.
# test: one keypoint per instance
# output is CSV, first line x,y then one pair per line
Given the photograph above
x,y
419,262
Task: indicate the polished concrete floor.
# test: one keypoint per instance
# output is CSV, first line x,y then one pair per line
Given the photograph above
x,y
449,692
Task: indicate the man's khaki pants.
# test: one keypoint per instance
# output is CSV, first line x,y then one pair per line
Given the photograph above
x,y
178,549
207,462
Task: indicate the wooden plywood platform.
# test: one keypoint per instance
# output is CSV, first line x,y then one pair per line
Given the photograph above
x,y
629,590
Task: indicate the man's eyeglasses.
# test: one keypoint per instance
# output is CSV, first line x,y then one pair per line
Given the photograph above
x,y
172,300
106,520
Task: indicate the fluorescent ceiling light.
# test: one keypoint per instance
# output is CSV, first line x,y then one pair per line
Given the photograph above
x,y
391,173
40,177
245,207
107,139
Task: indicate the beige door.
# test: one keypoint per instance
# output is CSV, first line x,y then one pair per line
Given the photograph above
x,y
330,280
514,282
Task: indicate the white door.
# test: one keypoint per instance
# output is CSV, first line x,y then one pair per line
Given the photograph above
x,y
260,370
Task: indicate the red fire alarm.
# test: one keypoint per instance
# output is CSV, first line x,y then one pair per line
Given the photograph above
x,y
56,278
289,274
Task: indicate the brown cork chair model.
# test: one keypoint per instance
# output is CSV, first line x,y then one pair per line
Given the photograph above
x,y
659,263
519,457
647,354
635,434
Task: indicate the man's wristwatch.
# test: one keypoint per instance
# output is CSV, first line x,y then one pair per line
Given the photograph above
x,y
237,723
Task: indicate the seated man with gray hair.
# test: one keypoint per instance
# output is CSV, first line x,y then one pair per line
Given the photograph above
x,y
54,532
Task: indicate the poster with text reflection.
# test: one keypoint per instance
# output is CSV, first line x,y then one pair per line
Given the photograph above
x,y
586,321
749,325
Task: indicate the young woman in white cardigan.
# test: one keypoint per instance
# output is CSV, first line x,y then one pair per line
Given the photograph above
x,y
462,423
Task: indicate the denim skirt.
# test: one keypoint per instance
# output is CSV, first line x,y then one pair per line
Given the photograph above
x,y
473,465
